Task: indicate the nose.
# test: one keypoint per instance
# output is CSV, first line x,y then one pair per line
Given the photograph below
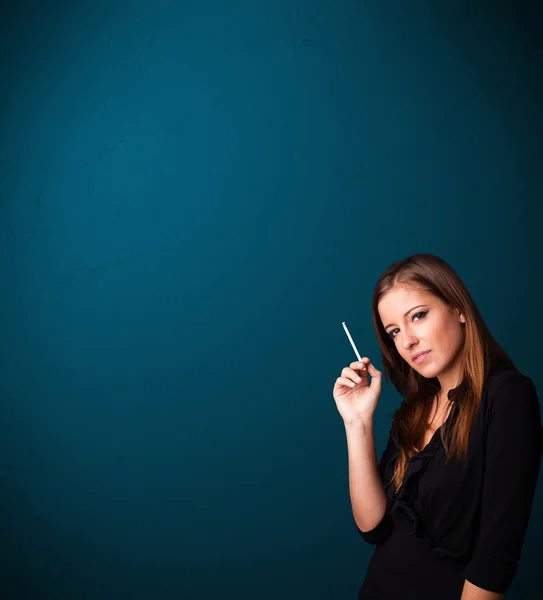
x,y
408,340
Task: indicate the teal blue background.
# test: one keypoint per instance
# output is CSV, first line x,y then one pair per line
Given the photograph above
x,y
193,197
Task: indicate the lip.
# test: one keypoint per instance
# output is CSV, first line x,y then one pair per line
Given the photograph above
x,y
422,356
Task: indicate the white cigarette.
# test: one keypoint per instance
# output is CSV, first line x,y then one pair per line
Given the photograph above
x,y
351,340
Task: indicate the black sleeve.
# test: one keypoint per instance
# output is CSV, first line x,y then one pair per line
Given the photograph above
x,y
512,460
381,532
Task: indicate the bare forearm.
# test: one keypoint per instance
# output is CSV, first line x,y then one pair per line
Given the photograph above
x,y
473,592
368,498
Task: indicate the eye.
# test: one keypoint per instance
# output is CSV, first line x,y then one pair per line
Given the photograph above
x,y
423,313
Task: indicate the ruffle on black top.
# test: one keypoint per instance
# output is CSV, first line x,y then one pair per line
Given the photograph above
x,y
406,498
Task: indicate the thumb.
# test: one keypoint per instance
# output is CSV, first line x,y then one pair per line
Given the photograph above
x,y
375,378
373,371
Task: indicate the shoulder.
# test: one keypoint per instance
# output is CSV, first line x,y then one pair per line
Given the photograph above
x,y
512,397
510,384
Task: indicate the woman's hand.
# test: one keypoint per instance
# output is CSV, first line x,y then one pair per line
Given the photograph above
x,y
356,398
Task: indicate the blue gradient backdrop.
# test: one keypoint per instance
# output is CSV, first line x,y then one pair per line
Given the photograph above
x,y
193,197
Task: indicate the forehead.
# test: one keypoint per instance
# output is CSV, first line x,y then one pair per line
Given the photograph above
x,y
401,298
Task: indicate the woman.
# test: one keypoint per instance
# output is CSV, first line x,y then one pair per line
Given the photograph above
x,y
448,504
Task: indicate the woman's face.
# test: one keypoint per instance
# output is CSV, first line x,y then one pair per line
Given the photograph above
x,y
418,321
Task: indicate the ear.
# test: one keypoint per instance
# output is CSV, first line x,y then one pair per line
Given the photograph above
x,y
460,316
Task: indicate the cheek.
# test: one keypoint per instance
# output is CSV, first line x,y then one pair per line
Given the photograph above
x,y
437,330
428,332
450,335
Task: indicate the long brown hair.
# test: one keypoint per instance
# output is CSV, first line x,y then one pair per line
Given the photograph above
x,y
430,273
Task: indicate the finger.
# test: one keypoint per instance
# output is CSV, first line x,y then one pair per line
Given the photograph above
x,y
373,371
360,364
346,382
351,374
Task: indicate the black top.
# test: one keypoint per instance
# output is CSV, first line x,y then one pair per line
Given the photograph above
x,y
462,520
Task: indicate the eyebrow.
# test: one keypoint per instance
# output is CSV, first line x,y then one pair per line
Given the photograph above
x,y
418,306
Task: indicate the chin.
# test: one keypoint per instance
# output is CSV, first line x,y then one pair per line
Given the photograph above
x,y
426,371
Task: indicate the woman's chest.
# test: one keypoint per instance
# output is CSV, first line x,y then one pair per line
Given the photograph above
x,y
434,424
454,480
